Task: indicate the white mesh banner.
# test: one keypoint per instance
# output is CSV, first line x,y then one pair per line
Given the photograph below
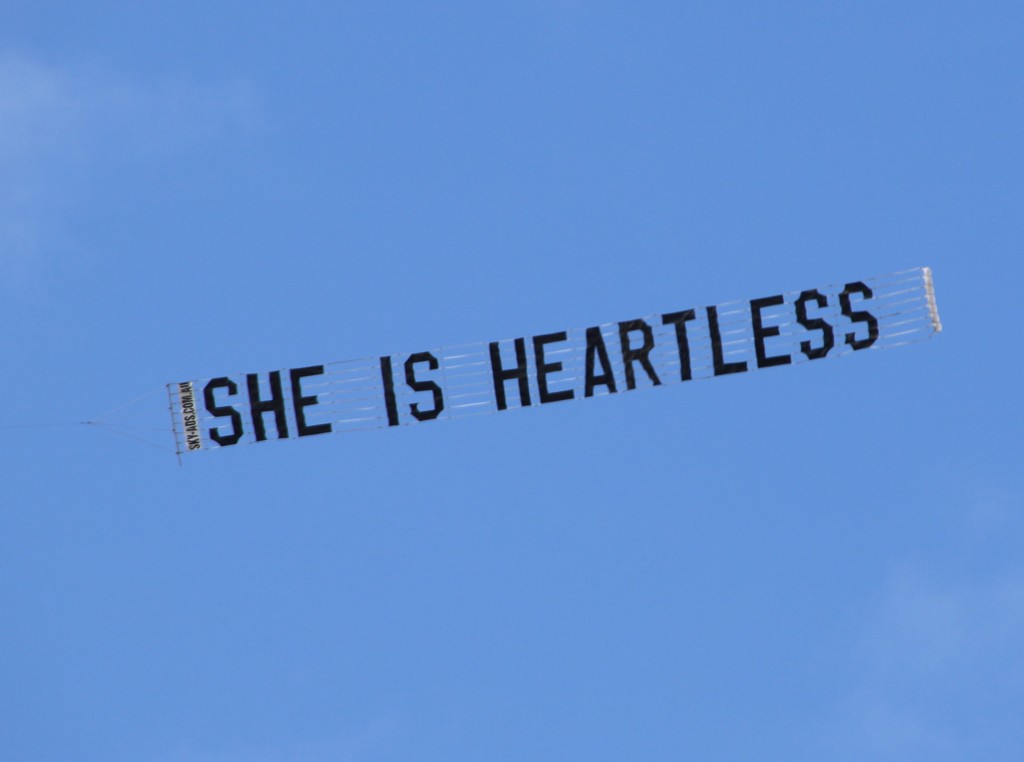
x,y
609,358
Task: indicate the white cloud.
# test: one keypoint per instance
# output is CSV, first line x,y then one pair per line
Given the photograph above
x,y
34,106
375,739
57,123
940,665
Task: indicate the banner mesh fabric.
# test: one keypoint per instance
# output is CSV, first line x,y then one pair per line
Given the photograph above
x,y
598,360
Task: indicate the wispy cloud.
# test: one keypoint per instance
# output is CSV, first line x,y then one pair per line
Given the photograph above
x,y
941,668
373,741
56,123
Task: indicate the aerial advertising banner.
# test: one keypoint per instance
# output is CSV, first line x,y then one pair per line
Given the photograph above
x,y
570,364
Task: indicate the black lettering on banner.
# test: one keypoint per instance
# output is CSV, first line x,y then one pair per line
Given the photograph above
x,y
814,324
519,373
630,355
595,346
300,402
258,407
224,440
859,316
388,378
679,320
722,368
189,416
423,386
544,368
762,332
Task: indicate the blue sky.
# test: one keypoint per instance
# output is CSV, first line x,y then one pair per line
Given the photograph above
x,y
815,562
